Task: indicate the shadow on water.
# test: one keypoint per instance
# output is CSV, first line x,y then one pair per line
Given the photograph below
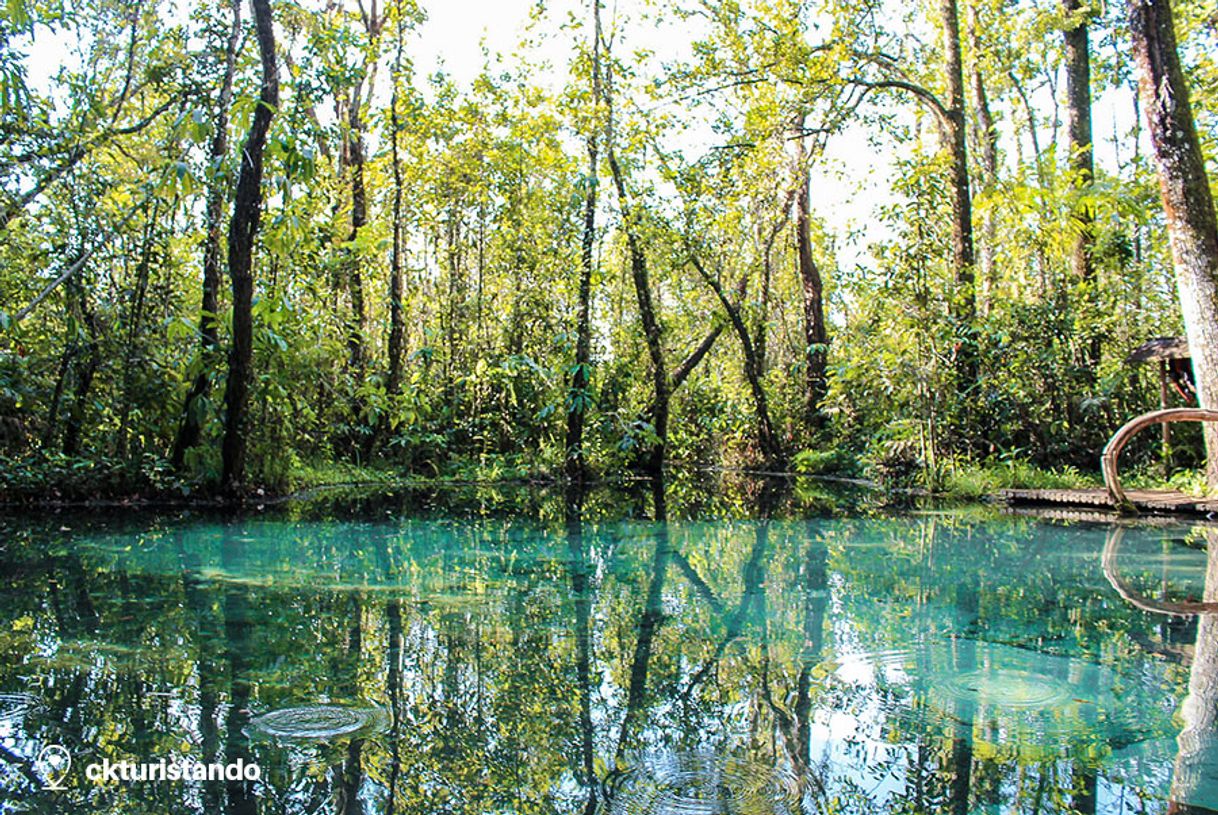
x,y
646,651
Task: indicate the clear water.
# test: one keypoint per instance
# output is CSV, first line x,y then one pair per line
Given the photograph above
x,y
557,660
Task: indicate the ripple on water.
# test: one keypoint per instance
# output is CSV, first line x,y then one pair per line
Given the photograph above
x,y
1039,696
1007,688
318,723
703,783
14,706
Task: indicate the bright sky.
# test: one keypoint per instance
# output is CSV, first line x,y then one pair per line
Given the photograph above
x,y
457,31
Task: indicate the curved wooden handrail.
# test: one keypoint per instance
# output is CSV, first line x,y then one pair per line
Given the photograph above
x,y
1185,608
1112,450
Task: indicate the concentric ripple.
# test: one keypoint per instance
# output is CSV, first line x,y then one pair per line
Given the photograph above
x,y
704,783
14,706
1009,689
318,723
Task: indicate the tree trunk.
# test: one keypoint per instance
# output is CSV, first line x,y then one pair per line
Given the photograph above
x,y
816,335
767,439
209,342
578,398
1187,200
647,315
135,319
1082,163
243,227
397,327
987,144
65,364
84,377
964,299
354,150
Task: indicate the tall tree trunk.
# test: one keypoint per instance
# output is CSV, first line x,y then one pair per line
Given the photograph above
x,y
964,299
354,150
213,249
1042,261
652,333
1187,200
987,148
247,212
816,335
661,390
578,398
397,326
1082,163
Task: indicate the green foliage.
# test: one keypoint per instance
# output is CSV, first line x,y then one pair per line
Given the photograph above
x,y
835,461
74,479
972,481
105,169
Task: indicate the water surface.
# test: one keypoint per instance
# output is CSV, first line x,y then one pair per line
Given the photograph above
x,y
579,657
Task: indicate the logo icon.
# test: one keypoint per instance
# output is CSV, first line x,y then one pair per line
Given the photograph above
x,y
54,761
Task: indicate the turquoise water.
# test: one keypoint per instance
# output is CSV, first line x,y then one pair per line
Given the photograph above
x,y
568,659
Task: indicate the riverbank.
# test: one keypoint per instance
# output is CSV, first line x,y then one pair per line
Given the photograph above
x,y
60,481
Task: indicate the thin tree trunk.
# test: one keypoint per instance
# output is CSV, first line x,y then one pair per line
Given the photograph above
x,y
65,362
762,325
578,398
213,250
397,327
816,334
354,151
1082,163
647,315
964,299
652,333
243,227
1187,200
987,143
1038,159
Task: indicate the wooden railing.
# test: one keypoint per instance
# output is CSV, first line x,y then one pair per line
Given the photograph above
x,y
1112,450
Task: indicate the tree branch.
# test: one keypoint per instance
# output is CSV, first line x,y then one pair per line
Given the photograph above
x,y
922,93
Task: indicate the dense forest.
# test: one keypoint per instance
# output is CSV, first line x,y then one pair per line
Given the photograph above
x,y
242,242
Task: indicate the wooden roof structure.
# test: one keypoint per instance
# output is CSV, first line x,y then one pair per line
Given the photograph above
x,y
1159,349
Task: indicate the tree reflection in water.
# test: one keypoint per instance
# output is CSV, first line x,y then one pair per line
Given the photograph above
x,y
1195,774
559,658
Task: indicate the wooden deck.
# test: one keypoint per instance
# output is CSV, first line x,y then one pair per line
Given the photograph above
x,y
1147,501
